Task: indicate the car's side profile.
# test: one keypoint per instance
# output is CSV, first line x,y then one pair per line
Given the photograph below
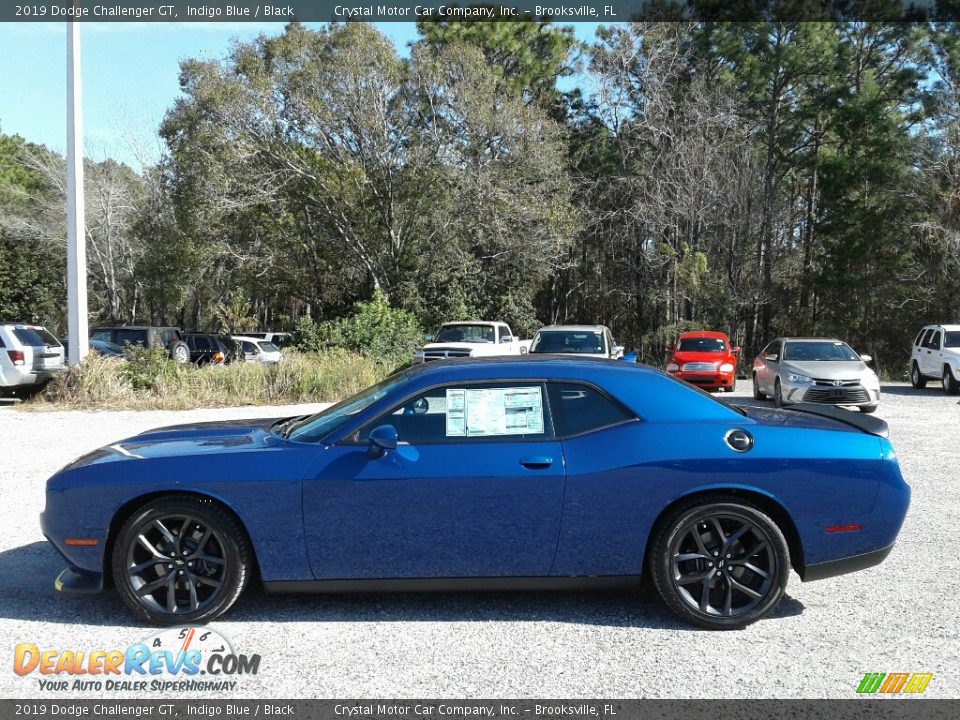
x,y
936,355
815,370
500,473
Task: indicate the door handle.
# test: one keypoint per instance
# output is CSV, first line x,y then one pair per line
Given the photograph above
x,y
536,462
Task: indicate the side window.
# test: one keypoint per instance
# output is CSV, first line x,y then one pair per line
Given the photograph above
x,y
926,338
935,342
772,349
249,347
466,413
101,335
579,409
201,342
919,339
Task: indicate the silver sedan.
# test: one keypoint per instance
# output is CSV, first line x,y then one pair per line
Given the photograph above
x,y
815,370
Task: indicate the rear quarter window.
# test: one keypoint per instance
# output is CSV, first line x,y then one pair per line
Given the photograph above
x,y
579,409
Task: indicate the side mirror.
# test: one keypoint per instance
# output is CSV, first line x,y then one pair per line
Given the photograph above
x,y
735,349
867,358
382,438
772,357
617,351
428,338
670,348
506,338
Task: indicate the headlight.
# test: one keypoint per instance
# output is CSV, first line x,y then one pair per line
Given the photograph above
x,y
726,367
794,378
672,367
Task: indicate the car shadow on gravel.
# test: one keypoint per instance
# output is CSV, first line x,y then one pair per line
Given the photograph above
x,y
27,594
933,388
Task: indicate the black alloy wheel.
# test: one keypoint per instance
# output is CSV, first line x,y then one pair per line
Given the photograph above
x,y
758,394
950,384
720,563
180,560
778,394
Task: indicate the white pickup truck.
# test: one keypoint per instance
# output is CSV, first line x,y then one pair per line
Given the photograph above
x,y
474,338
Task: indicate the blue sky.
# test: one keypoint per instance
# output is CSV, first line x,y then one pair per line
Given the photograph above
x,y
129,78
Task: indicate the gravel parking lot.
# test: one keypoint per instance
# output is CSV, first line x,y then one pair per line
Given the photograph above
x,y
901,616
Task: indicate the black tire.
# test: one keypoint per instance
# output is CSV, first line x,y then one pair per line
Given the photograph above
x,y
717,520
758,394
179,352
917,378
869,408
950,384
193,553
777,393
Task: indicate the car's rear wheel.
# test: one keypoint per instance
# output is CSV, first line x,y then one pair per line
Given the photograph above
x,y
950,385
179,352
917,378
720,562
180,560
758,394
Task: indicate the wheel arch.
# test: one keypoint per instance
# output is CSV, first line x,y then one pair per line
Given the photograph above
x,y
125,511
770,505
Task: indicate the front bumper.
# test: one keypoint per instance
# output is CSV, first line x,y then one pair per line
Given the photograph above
x,y
829,394
707,380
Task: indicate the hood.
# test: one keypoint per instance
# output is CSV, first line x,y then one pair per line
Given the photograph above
x,y
684,356
192,439
827,370
454,345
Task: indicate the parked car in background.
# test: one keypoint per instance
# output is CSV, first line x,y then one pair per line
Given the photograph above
x,y
815,370
527,473
473,338
99,347
148,336
576,339
280,339
212,349
258,351
29,357
936,355
704,358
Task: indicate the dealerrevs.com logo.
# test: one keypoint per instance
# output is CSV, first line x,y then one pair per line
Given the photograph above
x,y
902,683
178,659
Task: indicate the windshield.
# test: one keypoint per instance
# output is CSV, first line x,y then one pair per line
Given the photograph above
x,y
825,351
268,347
465,333
704,345
569,341
326,421
951,339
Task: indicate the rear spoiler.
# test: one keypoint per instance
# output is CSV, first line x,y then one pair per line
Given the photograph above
x,y
866,423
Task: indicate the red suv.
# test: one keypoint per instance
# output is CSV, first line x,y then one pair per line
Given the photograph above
x,y
704,358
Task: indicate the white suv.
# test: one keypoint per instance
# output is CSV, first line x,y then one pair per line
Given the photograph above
x,y
29,357
936,354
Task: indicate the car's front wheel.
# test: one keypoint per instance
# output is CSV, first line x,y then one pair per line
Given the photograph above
x,y
950,384
720,562
869,408
180,560
758,394
917,378
778,394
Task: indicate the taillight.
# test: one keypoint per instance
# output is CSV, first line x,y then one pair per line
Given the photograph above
x,y
217,358
16,356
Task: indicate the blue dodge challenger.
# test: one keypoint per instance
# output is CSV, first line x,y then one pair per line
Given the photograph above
x,y
500,473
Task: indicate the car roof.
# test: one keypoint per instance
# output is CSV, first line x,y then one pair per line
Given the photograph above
x,y
704,334
473,322
521,366
813,339
574,328
949,328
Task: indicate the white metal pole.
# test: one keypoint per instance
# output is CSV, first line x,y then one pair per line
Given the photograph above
x,y
76,230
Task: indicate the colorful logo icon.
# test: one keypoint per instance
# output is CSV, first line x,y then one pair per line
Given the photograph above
x,y
894,683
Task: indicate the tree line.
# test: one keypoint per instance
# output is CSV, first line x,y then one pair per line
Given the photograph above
x,y
762,178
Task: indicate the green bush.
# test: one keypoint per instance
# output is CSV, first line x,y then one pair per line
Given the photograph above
x,y
386,335
145,379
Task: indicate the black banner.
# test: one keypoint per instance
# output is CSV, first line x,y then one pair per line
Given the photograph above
x,y
568,11
854,709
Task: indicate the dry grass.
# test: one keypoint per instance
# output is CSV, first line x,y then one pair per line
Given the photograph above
x,y
148,381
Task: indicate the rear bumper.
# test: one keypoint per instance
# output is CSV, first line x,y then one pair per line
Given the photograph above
x,y
25,377
843,566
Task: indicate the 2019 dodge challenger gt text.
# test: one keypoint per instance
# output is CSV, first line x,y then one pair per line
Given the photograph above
x,y
499,473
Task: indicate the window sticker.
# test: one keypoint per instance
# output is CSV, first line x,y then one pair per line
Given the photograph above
x,y
456,421
494,411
